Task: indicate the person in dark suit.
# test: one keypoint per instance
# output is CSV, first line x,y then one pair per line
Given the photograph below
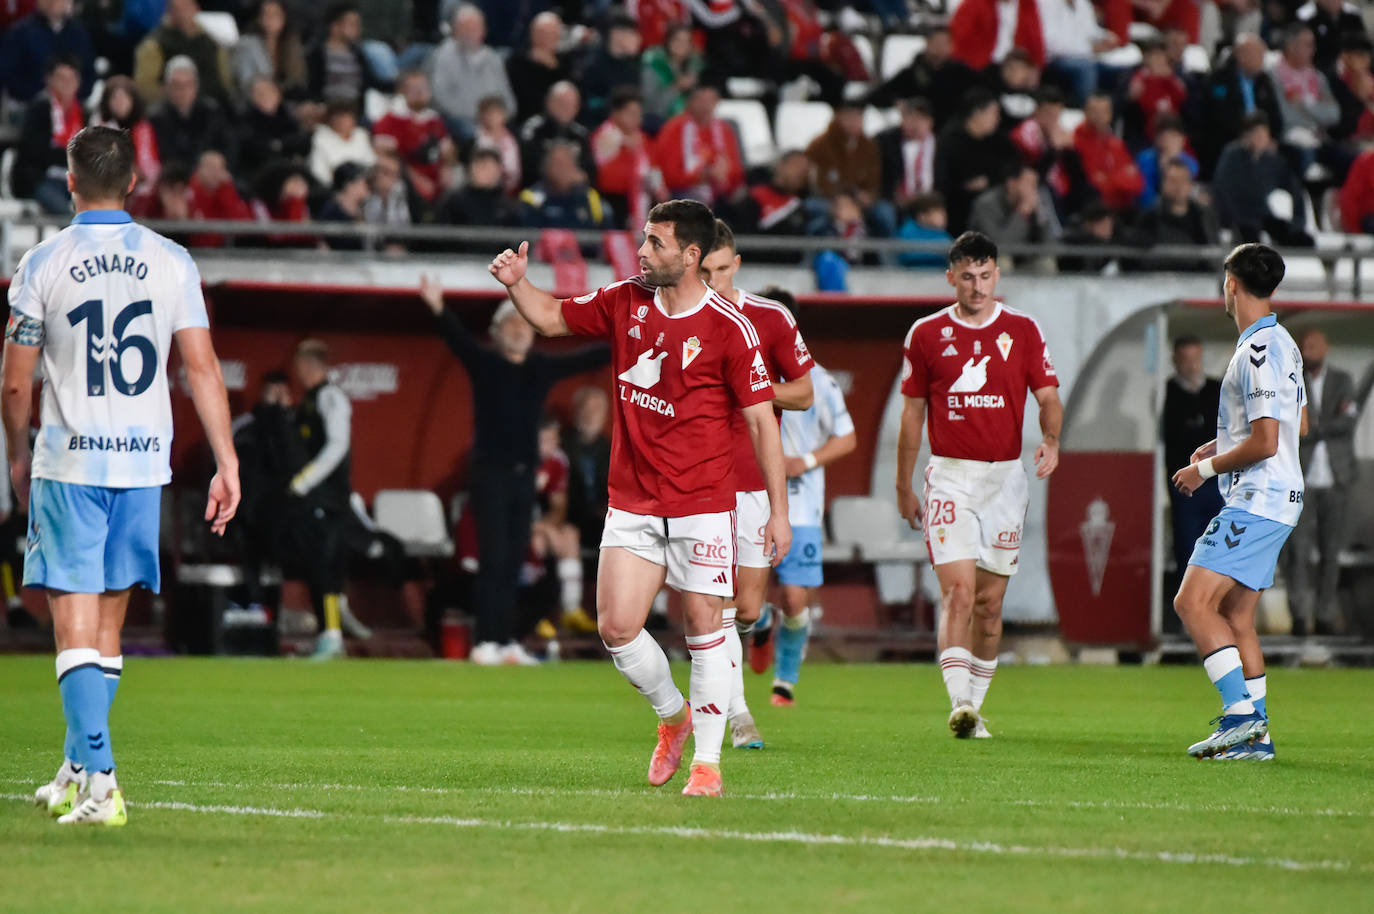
x,y
1327,454
1236,89
1189,421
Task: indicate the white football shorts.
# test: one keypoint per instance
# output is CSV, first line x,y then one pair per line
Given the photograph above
x,y
975,510
751,516
697,550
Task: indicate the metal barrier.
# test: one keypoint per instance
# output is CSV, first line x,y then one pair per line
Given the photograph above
x,y
19,232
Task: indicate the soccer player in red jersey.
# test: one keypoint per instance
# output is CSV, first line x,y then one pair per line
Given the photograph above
x,y
968,367
685,361
789,363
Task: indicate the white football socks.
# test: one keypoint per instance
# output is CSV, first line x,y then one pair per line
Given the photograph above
x,y
956,665
570,583
735,648
643,662
982,671
710,692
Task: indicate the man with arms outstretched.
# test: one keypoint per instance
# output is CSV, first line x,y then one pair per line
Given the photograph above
x,y
99,306
1261,415
685,361
789,362
968,367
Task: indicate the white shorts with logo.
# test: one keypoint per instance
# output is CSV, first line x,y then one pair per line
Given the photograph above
x,y
975,510
751,516
698,550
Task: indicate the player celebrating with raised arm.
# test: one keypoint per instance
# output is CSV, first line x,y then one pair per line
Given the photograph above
x,y
789,363
1255,459
971,364
99,305
685,361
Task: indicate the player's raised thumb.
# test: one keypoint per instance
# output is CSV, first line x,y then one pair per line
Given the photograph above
x,y
524,249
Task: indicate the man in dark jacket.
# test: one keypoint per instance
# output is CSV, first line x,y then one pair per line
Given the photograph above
x,y
481,200
563,198
336,67
50,121
933,74
615,65
270,134
1177,220
557,122
1327,454
970,156
50,31
1238,88
186,122
1249,171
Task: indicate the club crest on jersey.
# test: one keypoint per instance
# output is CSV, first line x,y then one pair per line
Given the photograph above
x,y
690,350
1004,344
634,332
950,350
946,332
799,348
758,373
642,313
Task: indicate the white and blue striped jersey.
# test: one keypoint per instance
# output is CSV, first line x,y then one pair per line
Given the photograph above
x,y
802,432
1264,380
103,298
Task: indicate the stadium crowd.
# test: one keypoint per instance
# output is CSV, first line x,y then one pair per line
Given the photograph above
x,y
1166,122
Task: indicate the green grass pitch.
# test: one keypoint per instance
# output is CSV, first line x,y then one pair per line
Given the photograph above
x,y
404,786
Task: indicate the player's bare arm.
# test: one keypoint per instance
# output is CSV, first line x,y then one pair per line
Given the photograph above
x,y
1202,453
763,432
542,310
1302,423
1262,443
826,454
206,382
795,395
1051,422
908,448
16,402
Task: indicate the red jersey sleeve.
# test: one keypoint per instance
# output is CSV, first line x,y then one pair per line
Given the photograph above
x,y
590,314
1039,366
915,379
744,370
788,351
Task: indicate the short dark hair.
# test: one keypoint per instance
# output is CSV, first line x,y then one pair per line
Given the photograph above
x,y
275,376
625,95
345,174
69,61
1356,41
1187,339
1020,54
924,203
782,297
976,100
548,420
1095,211
336,106
692,221
1257,267
337,10
137,110
1050,95
972,246
917,105
621,20
101,160
725,237
1178,162
1255,119
1169,122
173,173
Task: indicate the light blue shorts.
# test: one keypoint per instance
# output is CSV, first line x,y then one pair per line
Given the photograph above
x,y
1242,546
801,567
91,539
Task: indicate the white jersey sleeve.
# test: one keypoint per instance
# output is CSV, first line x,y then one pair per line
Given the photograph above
x,y
802,432
109,295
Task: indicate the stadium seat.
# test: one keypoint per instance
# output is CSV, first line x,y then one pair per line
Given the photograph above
x,y
1070,118
416,518
1128,55
898,51
798,123
751,123
375,105
219,26
1195,59
865,49
874,528
745,87
876,120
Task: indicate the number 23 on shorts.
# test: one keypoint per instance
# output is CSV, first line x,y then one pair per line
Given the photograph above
x,y
939,511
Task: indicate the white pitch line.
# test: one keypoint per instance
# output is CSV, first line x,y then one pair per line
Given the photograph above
x,y
772,796
921,843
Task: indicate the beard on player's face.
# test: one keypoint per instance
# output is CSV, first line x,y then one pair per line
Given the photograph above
x,y
666,274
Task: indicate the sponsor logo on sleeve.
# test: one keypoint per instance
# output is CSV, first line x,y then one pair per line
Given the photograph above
x,y
799,349
758,374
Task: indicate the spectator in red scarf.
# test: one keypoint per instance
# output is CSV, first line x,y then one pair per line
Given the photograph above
x,y
982,32
213,196
50,121
907,151
777,207
122,107
699,153
1106,161
625,173
415,132
1155,89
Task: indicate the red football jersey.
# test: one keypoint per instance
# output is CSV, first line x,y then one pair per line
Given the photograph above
x,y
679,379
975,379
787,358
550,479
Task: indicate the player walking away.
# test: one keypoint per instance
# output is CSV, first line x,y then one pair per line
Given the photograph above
x,y
99,306
812,439
789,363
685,361
1255,459
972,363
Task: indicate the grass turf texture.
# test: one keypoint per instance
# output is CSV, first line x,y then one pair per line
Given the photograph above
x,y
433,786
